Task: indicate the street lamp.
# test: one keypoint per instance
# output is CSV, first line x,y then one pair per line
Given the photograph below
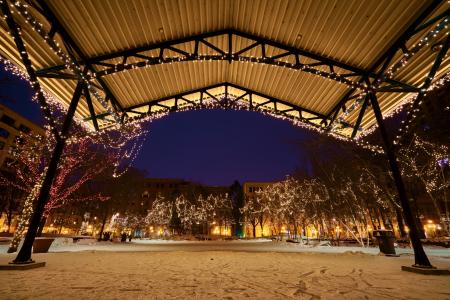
x,y
442,163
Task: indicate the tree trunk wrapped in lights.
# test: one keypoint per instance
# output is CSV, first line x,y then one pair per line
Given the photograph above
x,y
25,216
80,163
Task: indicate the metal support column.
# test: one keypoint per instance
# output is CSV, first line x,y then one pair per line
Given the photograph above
x,y
14,30
91,107
421,259
24,255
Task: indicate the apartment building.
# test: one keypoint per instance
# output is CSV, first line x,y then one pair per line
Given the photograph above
x,y
12,126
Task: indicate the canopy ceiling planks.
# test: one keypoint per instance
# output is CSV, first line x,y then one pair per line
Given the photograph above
x,y
315,56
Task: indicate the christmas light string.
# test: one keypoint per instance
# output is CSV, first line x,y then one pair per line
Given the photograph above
x,y
8,66
25,216
222,102
67,59
135,149
415,49
74,159
249,59
38,27
394,68
340,121
157,60
413,109
131,155
128,133
118,67
407,104
137,130
53,105
424,162
71,64
119,142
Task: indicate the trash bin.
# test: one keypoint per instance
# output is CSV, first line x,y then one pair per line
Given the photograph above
x,y
386,241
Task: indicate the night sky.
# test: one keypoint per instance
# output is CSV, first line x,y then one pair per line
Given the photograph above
x,y
213,147
218,146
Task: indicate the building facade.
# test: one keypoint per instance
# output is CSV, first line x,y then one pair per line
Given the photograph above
x,y
251,189
171,188
13,129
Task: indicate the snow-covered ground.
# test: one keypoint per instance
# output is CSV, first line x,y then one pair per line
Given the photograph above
x,y
259,245
157,269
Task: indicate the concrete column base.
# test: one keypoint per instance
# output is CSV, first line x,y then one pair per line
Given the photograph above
x,y
28,266
426,271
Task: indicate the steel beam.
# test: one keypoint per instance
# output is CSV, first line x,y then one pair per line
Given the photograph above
x,y
296,107
412,29
149,102
228,54
428,80
421,259
229,102
24,255
360,117
58,27
37,89
87,95
408,33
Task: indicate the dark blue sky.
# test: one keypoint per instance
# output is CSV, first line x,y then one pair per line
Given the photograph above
x,y
16,94
218,146
211,147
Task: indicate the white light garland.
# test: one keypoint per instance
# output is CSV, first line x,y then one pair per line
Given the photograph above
x,y
425,41
242,104
54,106
71,64
25,216
154,60
393,69
68,61
407,104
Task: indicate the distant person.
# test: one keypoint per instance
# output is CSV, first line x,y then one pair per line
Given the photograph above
x,y
124,237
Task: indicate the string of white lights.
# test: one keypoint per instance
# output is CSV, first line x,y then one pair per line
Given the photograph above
x,y
67,59
407,105
54,105
243,104
423,42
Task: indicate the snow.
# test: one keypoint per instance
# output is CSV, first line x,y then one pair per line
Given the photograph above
x,y
261,245
258,245
161,269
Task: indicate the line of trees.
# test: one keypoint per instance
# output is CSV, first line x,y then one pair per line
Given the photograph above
x,y
183,215
85,159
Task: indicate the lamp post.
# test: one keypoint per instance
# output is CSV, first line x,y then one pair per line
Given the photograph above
x,y
442,163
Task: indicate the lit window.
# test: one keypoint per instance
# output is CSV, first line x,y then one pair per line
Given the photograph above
x,y
8,120
4,133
